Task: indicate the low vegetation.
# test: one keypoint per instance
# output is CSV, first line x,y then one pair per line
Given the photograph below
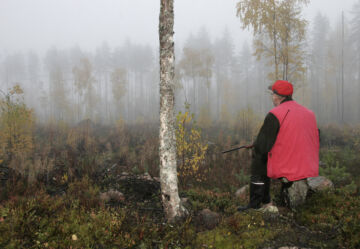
x,y
54,201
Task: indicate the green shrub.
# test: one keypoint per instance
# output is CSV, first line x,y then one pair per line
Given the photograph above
x,y
333,170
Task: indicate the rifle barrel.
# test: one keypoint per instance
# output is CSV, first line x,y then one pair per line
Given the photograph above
x,y
238,148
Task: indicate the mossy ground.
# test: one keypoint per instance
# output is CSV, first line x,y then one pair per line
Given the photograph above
x,y
79,219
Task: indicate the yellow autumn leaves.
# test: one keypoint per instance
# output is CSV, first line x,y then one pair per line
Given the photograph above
x,y
190,149
16,125
279,34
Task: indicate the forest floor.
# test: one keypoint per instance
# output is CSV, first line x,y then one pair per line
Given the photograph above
x,y
78,218
320,223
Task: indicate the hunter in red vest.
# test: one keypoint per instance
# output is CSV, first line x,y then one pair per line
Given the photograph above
x,y
286,147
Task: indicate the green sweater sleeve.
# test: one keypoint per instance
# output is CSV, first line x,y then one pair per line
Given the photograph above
x,y
263,144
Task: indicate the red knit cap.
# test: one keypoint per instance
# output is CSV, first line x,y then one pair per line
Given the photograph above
x,y
283,88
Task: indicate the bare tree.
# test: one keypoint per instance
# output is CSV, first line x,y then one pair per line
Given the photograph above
x,y
168,172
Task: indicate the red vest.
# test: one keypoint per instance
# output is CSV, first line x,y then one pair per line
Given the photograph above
x,y
295,154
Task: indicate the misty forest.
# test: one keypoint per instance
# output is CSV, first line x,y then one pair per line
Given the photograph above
x,y
82,164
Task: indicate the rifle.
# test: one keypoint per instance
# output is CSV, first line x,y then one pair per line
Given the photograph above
x,y
238,148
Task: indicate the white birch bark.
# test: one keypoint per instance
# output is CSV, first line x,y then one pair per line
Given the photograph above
x,y
168,172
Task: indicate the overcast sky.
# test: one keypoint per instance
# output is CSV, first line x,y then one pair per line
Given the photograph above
x,y
40,24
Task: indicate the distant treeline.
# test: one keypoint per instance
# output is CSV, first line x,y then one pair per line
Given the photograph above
x,y
220,81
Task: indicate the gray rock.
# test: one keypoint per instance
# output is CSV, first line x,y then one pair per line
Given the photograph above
x,y
269,209
184,200
124,176
146,176
104,197
113,195
296,193
320,183
208,219
291,247
286,247
242,192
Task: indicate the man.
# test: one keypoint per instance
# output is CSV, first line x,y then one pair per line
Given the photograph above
x,y
287,145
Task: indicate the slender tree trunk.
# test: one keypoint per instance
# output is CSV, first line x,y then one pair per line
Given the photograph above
x,y
342,69
106,98
168,173
275,45
218,94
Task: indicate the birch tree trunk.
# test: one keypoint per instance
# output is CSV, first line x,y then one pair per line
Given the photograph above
x,y
168,172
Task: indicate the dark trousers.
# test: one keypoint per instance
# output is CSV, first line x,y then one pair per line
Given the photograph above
x,y
259,190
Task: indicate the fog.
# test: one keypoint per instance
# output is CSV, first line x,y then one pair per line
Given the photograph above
x,y
50,47
40,24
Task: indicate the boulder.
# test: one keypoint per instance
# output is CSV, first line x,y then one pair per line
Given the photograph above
x,y
124,176
320,183
184,201
286,247
146,177
291,247
104,197
269,209
112,195
243,192
208,219
294,193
